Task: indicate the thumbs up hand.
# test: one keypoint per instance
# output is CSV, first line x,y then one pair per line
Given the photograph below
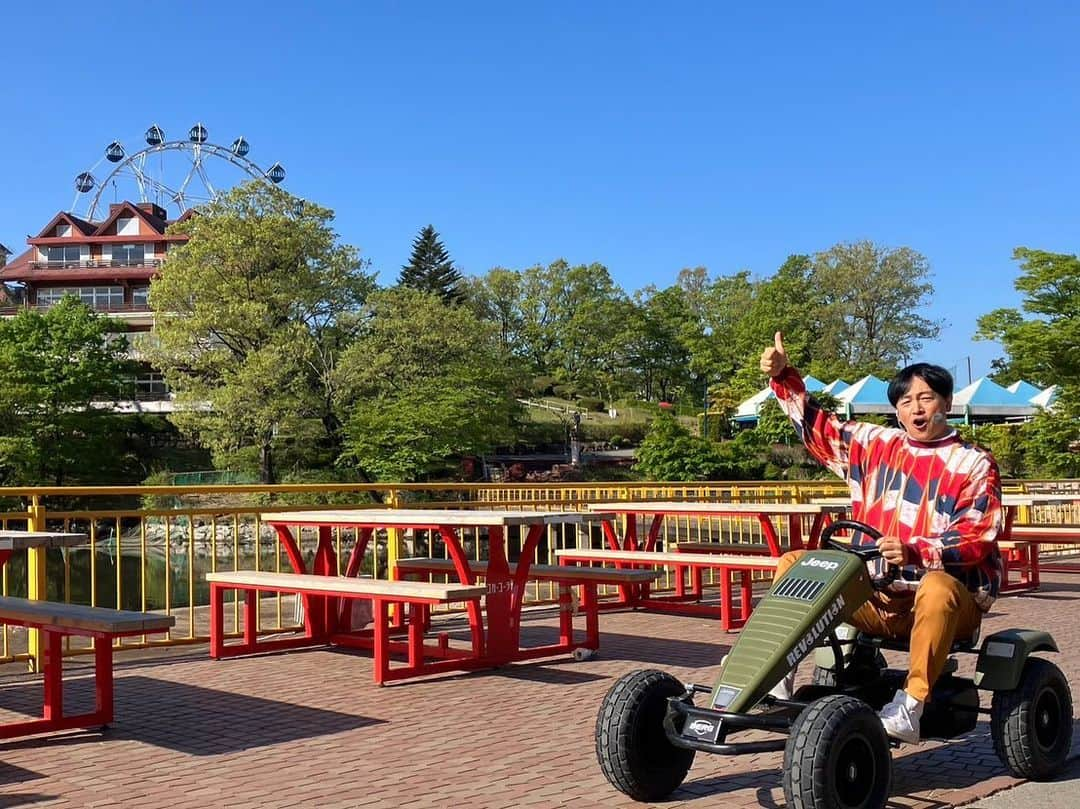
x,y
774,358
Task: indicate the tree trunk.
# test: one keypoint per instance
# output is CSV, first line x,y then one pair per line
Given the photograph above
x,y
266,464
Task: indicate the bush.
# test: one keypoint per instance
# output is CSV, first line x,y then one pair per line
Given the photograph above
x,y
590,404
628,432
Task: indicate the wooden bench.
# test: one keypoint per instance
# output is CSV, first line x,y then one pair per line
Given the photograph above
x,y
566,576
326,600
1023,551
721,547
725,565
54,621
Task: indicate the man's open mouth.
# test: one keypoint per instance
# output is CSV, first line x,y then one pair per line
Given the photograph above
x,y
920,423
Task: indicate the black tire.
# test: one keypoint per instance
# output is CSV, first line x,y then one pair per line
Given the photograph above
x,y
837,757
631,746
1032,724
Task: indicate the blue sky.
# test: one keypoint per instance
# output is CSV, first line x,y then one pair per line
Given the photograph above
x,y
645,136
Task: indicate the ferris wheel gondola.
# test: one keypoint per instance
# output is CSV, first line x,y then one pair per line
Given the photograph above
x,y
189,183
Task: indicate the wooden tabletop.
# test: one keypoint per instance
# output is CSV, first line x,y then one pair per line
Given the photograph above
x,y
427,518
704,509
21,540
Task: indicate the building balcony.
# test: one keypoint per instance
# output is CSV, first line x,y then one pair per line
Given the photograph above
x,y
152,263
36,272
124,311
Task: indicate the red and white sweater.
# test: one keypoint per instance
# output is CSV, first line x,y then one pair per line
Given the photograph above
x,y
942,498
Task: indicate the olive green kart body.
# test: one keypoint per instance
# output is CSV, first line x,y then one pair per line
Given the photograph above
x,y
836,752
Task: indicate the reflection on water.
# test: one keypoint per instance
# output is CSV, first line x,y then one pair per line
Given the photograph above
x,y
169,581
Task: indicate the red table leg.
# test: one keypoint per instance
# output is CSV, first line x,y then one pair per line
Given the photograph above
x,y
769,532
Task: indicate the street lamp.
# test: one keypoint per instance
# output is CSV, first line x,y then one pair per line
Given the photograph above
x,y
705,379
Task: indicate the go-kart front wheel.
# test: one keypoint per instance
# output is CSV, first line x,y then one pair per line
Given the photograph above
x,y
837,757
631,745
1032,724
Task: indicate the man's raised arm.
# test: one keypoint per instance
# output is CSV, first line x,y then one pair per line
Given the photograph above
x,y
825,436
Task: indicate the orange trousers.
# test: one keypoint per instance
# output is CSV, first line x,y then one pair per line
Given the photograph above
x,y
941,610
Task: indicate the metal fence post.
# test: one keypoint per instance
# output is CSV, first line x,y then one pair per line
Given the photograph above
x,y
36,584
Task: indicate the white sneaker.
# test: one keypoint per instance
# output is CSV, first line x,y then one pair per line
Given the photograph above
x,y
901,717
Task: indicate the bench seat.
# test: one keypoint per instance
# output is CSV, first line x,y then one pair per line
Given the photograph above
x,y
409,591
55,621
721,547
327,601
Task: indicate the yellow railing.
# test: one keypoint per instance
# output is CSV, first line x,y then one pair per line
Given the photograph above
x,y
153,553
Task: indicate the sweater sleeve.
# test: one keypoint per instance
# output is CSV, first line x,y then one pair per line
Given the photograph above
x,y
976,523
825,435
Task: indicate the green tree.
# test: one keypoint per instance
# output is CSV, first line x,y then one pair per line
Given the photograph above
x,y
657,354
789,302
54,365
253,312
670,452
1052,445
872,299
423,385
1040,345
1040,341
575,323
496,297
430,268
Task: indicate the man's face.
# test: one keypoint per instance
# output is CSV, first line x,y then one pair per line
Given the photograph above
x,y
922,412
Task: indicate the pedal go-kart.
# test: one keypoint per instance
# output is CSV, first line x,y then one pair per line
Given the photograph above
x,y
836,753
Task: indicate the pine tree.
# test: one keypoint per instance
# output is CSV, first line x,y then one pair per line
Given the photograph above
x,y
430,268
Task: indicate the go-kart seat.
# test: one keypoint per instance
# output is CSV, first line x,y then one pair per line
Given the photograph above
x,y
902,645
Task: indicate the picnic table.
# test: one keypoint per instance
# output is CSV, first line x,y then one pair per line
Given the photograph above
x,y
56,621
764,513
494,623
36,543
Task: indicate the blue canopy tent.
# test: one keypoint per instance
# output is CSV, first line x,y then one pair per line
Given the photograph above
x,y
748,410
867,395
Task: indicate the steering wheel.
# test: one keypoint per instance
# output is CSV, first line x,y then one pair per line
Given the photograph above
x,y
868,553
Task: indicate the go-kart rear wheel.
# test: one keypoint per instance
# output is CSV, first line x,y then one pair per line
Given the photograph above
x,y
631,746
1032,724
837,757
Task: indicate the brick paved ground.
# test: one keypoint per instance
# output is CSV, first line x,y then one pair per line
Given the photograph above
x,y
310,729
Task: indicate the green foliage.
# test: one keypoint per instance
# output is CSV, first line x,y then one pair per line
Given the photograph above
x,y
618,432
1041,348
1052,442
670,452
416,394
252,315
53,364
773,425
430,268
590,404
872,299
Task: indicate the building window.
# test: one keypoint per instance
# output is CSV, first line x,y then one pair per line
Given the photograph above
x,y
140,296
127,255
99,298
64,256
127,227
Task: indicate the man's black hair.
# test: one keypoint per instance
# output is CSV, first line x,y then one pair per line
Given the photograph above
x,y
937,378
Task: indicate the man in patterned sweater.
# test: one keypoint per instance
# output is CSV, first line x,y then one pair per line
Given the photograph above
x,y
936,499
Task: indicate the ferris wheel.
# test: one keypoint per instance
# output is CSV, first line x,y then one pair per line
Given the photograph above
x,y
176,174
